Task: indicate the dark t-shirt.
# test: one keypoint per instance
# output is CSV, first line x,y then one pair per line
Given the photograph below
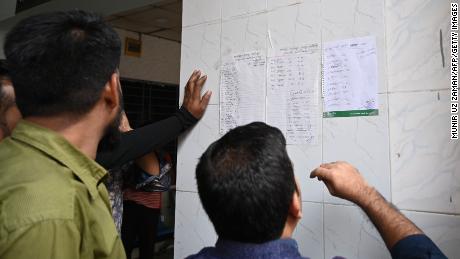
x,y
411,247
416,247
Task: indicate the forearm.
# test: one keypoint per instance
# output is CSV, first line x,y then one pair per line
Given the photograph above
x,y
141,141
391,224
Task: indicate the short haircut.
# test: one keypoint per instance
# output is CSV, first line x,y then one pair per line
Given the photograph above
x,y
246,183
60,62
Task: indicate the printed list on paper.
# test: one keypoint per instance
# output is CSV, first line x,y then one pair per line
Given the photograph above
x,y
292,93
350,81
284,92
242,90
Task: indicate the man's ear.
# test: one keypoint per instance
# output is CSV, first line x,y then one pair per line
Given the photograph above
x,y
111,93
295,209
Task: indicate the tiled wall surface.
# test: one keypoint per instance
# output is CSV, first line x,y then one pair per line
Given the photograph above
x,y
405,152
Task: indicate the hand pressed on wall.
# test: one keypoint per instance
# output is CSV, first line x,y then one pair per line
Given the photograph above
x,y
193,101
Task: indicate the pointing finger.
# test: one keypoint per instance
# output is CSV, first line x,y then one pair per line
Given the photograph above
x,y
320,172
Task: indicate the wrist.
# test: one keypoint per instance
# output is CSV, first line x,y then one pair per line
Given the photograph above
x,y
368,195
188,114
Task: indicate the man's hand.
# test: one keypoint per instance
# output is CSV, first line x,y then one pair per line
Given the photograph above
x,y
343,180
193,101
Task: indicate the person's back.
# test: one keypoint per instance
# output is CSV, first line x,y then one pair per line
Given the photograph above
x,y
50,192
246,186
53,204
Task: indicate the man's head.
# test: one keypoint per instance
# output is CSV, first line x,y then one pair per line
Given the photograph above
x,y
9,113
65,64
247,186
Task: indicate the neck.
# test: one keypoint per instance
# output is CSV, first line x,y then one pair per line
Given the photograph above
x,y
289,228
83,132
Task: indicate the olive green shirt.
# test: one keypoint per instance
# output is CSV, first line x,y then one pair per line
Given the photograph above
x,y
52,201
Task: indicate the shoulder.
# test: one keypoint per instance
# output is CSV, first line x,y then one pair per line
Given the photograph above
x,y
205,253
33,187
416,246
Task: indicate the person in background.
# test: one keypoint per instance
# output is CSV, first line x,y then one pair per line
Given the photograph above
x,y
138,144
64,68
247,187
142,203
139,218
9,113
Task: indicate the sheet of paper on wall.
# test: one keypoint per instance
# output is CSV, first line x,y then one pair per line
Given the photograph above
x,y
350,81
242,90
293,82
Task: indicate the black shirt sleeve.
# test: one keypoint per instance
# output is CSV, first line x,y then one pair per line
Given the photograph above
x,y
416,247
138,142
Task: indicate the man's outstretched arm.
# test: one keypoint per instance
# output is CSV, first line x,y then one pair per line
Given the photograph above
x,y
141,141
400,235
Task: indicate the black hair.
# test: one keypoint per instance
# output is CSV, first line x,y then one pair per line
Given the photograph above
x,y
60,62
246,183
4,69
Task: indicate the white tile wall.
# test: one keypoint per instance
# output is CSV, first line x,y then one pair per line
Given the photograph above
x,y
236,8
201,50
305,158
272,4
444,230
200,11
413,44
405,151
295,24
244,34
350,234
364,142
192,144
309,231
353,18
425,162
193,230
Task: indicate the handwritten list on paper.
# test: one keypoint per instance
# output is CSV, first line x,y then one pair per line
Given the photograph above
x,y
242,90
292,92
350,82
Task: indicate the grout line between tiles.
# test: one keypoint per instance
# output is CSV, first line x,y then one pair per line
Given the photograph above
x,y
322,123
432,212
402,210
186,191
387,97
418,91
